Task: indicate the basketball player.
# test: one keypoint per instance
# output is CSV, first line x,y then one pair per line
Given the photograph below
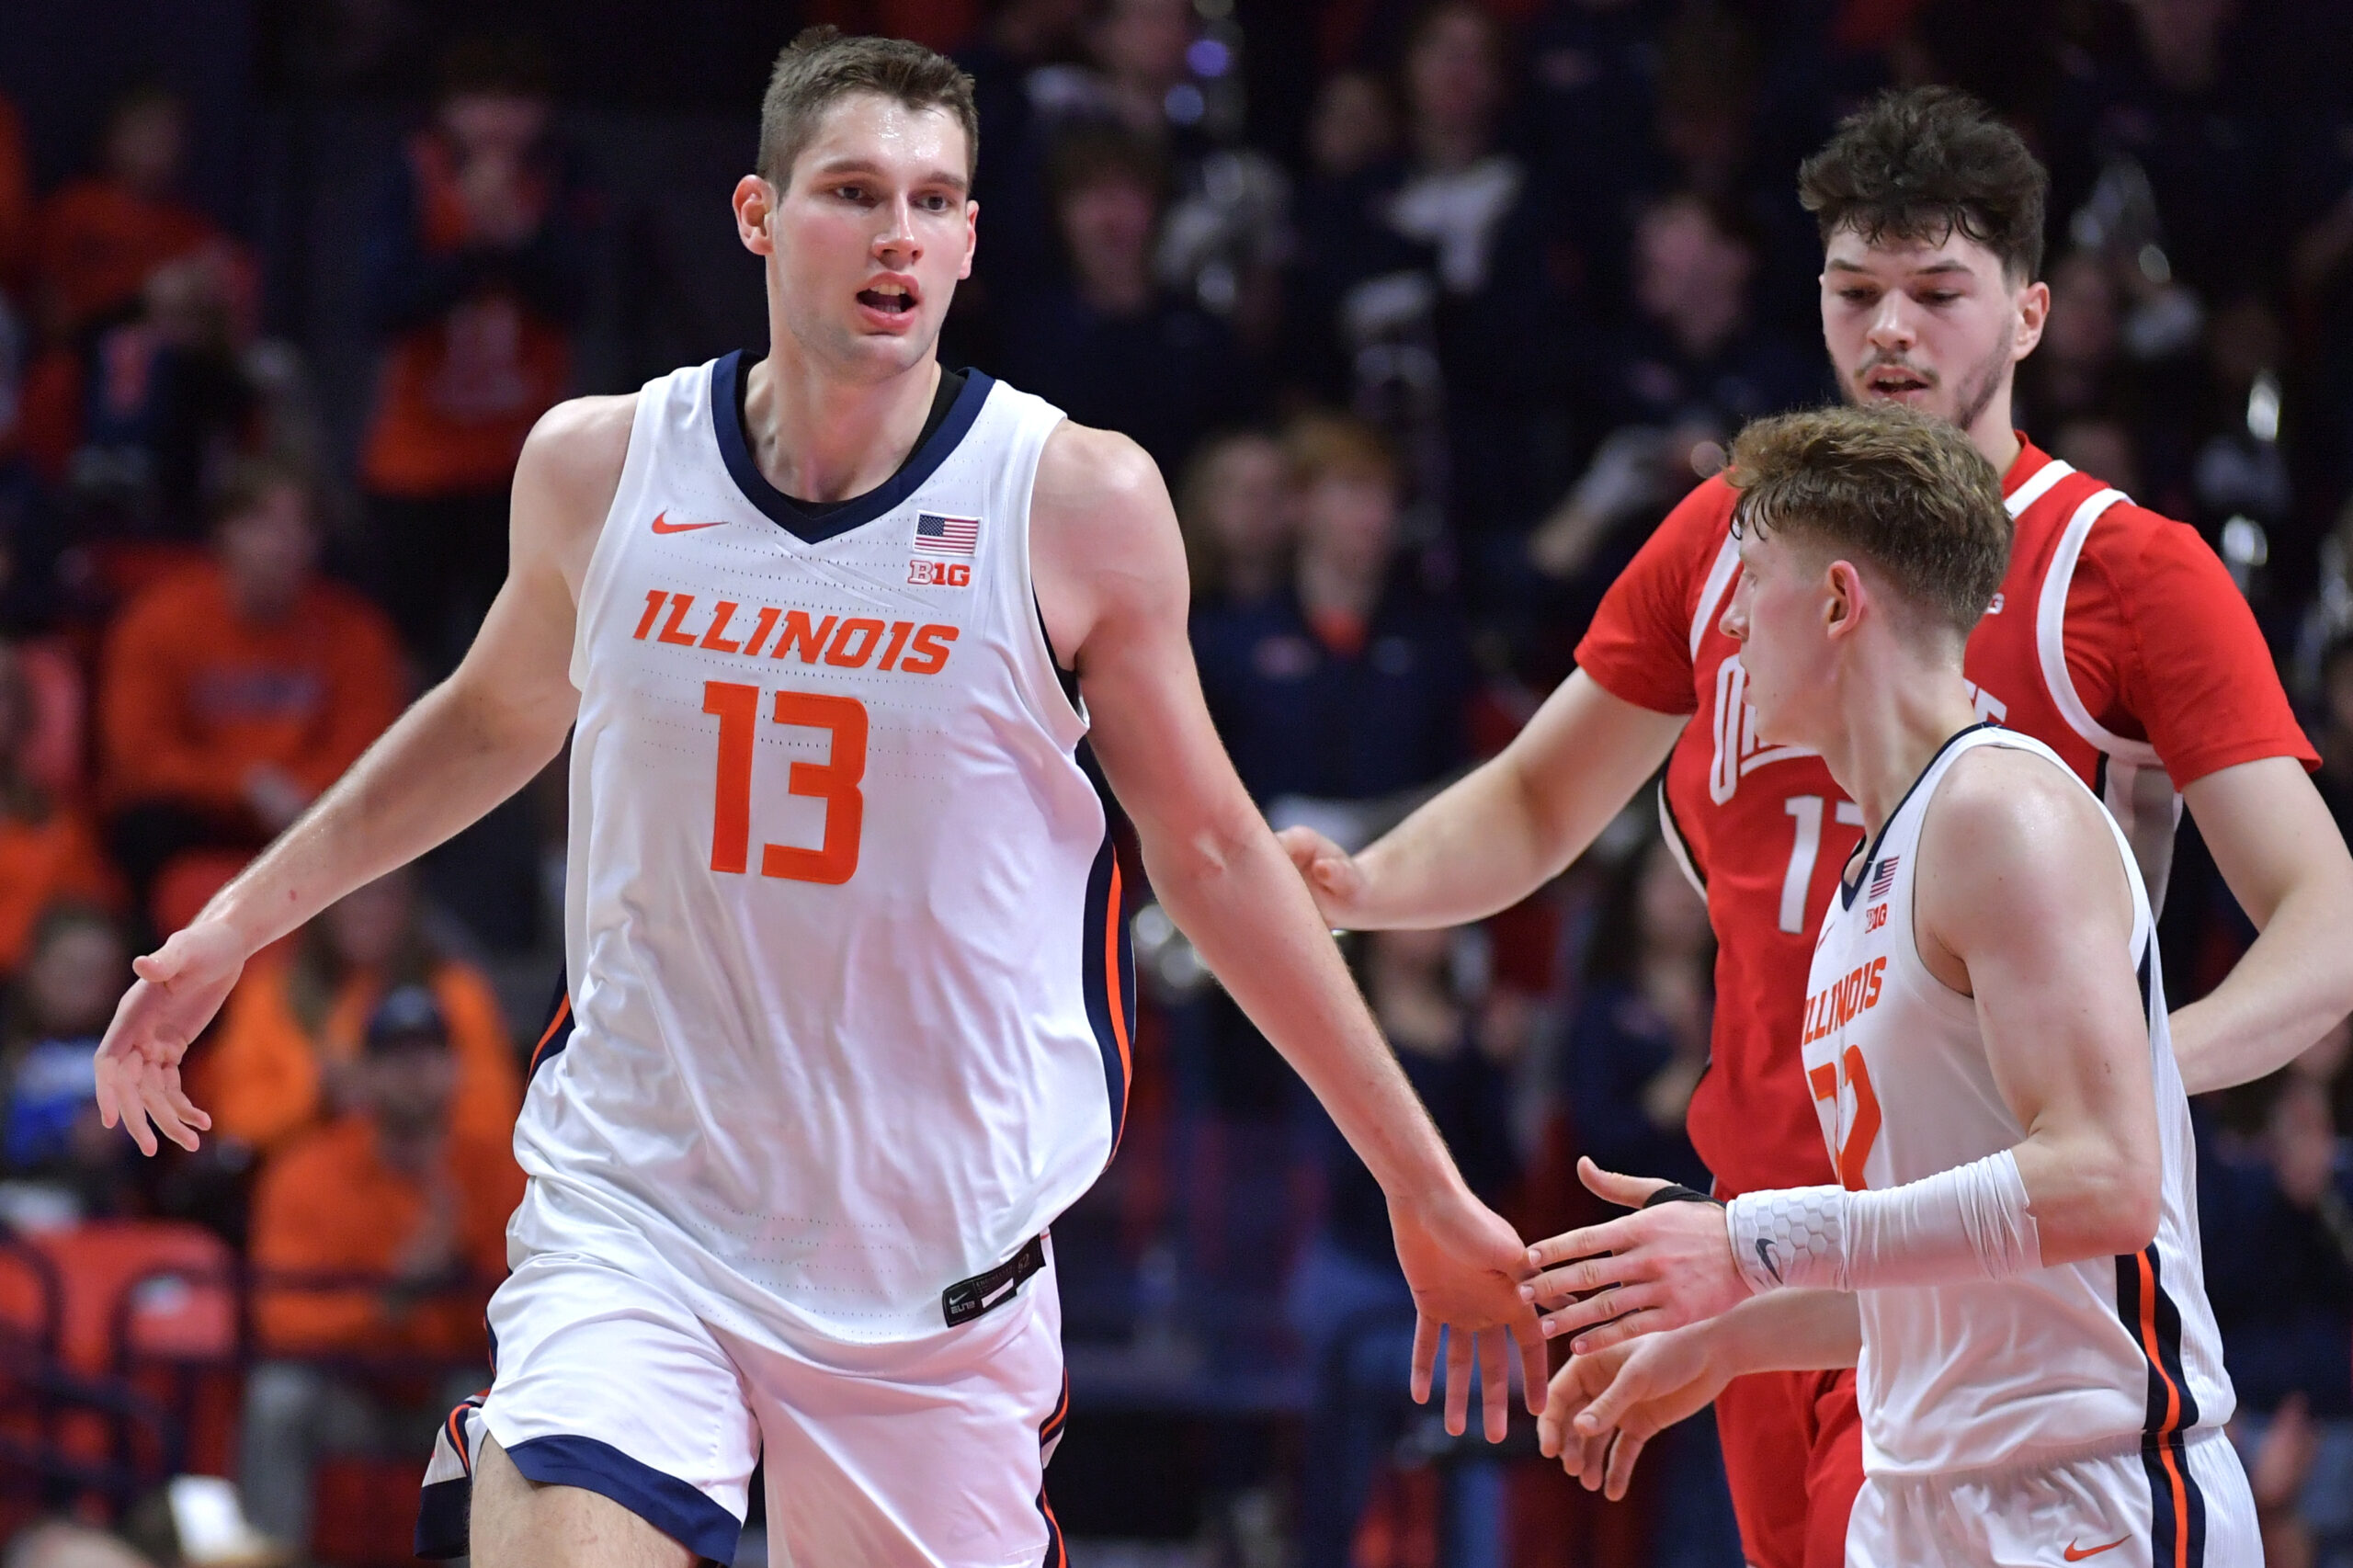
x,y
849,995
2010,1251
2116,639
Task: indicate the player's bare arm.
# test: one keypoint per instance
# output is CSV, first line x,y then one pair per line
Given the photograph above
x,y
1109,571
2029,912
1504,829
460,749
1602,1409
2279,850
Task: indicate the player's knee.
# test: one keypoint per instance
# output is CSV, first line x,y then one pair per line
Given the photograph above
x,y
517,1523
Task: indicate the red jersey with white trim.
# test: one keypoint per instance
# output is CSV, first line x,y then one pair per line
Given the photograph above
x,y
2118,640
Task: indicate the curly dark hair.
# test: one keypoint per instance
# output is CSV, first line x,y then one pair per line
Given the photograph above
x,y
1920,163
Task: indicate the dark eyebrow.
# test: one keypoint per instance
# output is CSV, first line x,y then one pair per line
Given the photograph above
x,y
854,165
1948,265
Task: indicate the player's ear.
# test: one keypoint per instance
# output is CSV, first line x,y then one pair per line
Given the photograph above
x,y
1843,598
2034,310
754,202
971,236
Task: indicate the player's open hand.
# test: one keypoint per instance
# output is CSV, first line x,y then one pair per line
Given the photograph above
x,y
1465,1265
1330,872
180,986
1602,1409
1642,1273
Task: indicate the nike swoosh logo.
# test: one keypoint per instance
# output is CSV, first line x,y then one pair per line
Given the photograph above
x,y
2076,1554
1764,1255
661,527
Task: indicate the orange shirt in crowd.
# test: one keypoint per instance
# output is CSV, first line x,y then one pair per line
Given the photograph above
x,y
96,242
459,394
41,861
195,696
262,1075
330,1204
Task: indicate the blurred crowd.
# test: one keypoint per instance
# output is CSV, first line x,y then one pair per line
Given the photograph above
x,y
1429,312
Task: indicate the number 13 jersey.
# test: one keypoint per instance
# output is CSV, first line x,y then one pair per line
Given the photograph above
x,y
850,1000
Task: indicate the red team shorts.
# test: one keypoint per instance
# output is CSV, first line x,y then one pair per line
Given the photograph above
x,y
1794,1453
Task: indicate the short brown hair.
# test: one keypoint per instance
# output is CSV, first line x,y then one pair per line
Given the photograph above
x,y
1337,445
250,481
1906,491
1923,164
822,66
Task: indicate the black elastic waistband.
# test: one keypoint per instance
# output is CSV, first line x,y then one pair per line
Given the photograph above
x,y
968,1299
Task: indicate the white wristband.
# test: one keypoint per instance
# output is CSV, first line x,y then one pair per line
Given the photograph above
x,y
1968,1222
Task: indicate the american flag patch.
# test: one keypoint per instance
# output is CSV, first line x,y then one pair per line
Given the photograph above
x,y
947,536
1883,880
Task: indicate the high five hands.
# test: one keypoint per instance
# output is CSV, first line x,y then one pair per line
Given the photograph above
x,y
1636,1292
1465,1266
1660,1267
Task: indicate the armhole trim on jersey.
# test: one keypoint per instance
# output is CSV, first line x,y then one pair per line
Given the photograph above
x,y
1055,701
651,400
2035,489
1678,846
2051,636
2143,940
1719,576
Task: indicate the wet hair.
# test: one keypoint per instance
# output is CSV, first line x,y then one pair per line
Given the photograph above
x,y
1923,163
822,65
1901,489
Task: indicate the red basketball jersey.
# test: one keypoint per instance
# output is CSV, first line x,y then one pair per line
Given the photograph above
x,y
2118,640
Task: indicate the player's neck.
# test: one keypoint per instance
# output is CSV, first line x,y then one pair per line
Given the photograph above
x,y
1895,714
817,436
1993,433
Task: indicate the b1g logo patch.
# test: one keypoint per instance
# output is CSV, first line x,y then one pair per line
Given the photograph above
x,y
940,574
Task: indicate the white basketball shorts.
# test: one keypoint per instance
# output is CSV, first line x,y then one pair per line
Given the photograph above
x,y
928,1453
2177,1504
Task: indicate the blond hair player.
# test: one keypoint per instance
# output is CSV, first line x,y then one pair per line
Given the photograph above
x,y
2010,1255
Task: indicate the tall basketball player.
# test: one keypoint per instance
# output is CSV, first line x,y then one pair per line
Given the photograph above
x,y
2116,639
2009,1254
849,996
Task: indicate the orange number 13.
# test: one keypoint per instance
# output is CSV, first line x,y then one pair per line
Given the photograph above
x,y
834,782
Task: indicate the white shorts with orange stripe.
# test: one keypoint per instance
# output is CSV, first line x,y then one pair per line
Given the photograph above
x,y
2169,1503
927,1453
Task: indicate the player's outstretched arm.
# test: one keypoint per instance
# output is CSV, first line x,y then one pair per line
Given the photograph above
x,y
2279,850
1501,831
462,748
2022,902
1109,571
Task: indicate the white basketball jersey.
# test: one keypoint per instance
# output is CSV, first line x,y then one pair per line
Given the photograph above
x,y
2074,1358
850,995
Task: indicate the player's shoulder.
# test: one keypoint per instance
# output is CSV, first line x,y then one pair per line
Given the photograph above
x,y
2005,817
571,466
1084,470
583,432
